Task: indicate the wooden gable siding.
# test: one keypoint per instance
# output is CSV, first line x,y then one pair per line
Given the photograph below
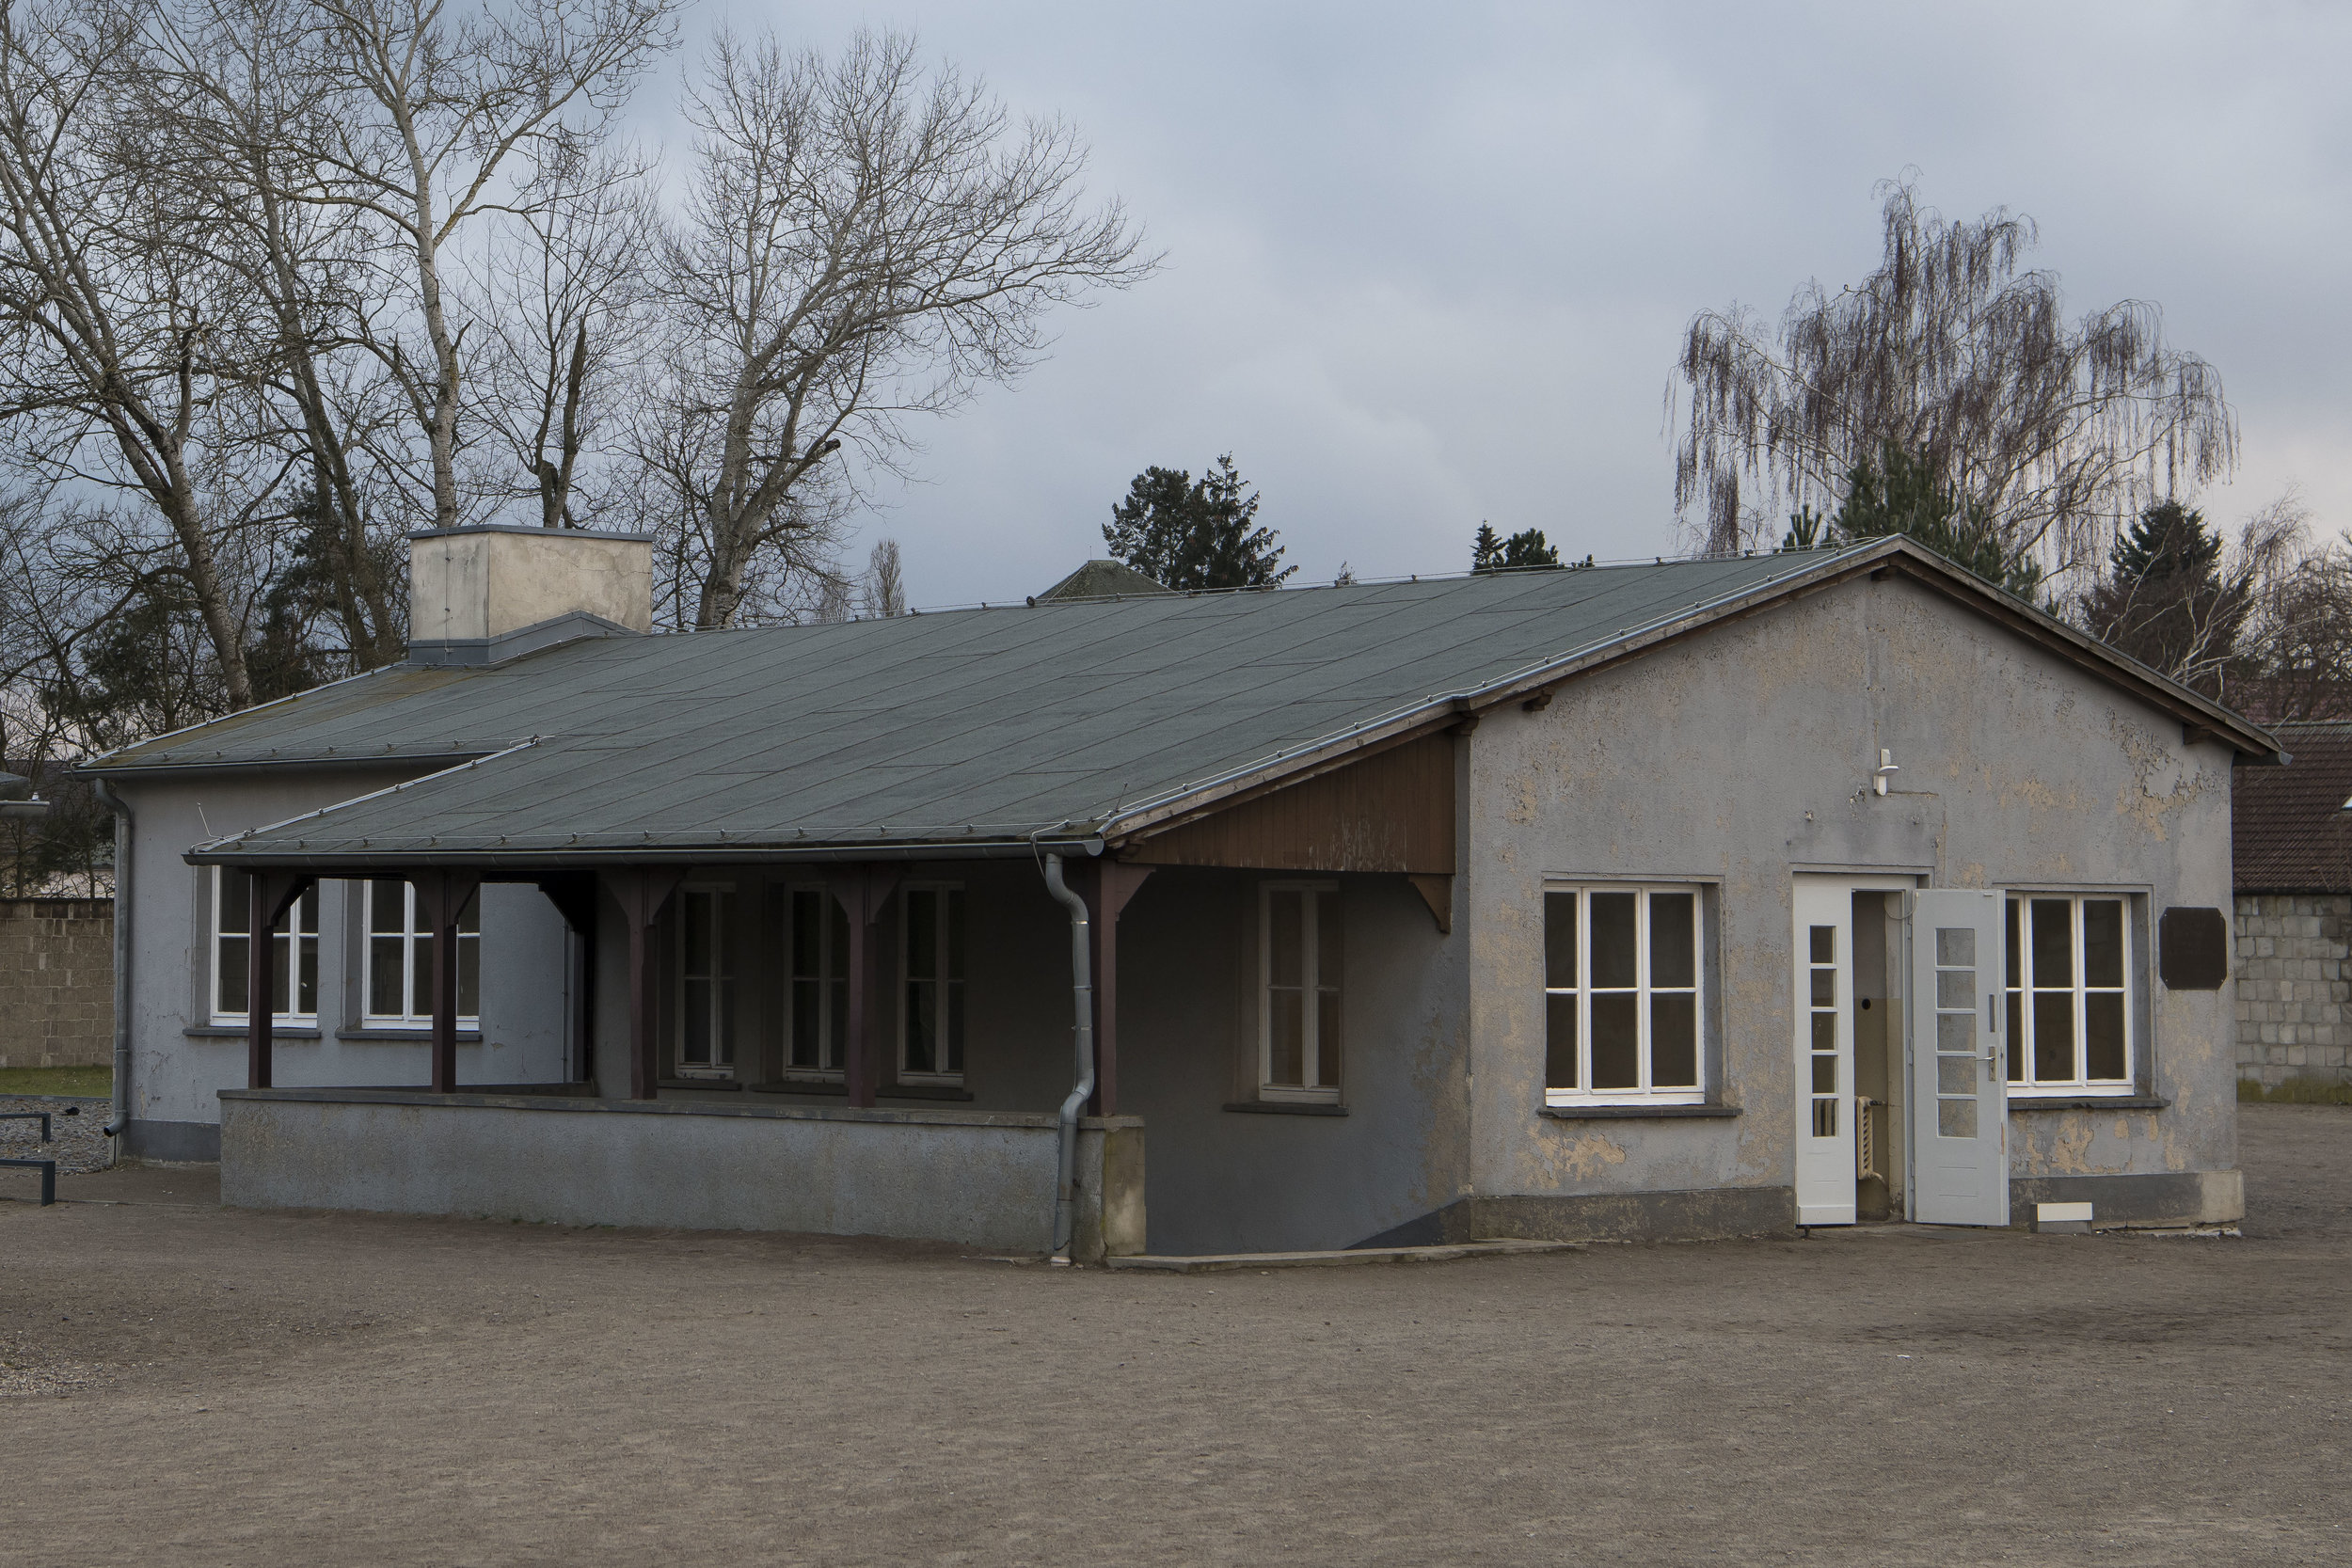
x,y
1390,812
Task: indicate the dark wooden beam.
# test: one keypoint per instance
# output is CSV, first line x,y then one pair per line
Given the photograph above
x,y
1438,892
1106,892
270,895
864,892
642,890
442,895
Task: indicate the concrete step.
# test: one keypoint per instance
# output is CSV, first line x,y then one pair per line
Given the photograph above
x,y
1227,1262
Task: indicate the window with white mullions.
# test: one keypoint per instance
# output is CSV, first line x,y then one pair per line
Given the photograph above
x,y
706,1030
397,961
1300,965
820,985
2069,993
294,967
1621,995
930,967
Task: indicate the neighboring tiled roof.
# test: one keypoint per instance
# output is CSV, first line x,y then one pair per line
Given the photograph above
x,y
976,729
2288,826
1104,579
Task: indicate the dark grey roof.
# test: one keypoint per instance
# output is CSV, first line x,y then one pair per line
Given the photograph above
x,y
1104,579
971,728
2291,828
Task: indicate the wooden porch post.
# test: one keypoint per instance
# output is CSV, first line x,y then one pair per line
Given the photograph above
x,y
864,892
1107,894
271,894
442,895
642,890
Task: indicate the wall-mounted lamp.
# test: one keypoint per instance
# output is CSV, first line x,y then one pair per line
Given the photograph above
x,y
1886,765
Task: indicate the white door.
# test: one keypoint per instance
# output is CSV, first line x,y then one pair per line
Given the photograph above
x,y
1824,982
1959,1083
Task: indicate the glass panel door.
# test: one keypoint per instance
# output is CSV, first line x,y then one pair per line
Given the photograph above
x,y
1824,1057
1959,1097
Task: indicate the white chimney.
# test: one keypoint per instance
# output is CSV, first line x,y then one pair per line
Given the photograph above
x,y
477,595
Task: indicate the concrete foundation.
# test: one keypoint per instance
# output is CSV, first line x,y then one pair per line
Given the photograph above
x,y
979,1178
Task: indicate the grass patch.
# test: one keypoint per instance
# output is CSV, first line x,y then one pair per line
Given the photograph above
x,y
90,1082
2296,1091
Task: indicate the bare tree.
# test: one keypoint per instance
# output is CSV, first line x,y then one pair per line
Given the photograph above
x,y
2062,431
2295,653
442,121
237,95
561,307
109,332
884,591
860,242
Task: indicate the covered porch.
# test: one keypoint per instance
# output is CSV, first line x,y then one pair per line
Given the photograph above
x,y
765,1042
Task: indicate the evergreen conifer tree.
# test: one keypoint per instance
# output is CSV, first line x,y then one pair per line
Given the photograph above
x,y
1190,533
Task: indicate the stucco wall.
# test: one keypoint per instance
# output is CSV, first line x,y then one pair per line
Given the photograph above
x,y
57,982
2293,987
1224,1180
179,1062
1742,756
981,1179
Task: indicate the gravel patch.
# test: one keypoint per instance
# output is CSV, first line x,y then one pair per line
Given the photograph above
x,y
27,1372
75,1142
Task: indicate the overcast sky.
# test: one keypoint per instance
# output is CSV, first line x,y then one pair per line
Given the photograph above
x,y
1429,265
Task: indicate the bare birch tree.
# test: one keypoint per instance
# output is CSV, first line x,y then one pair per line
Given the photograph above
x,y
2064,431
861,241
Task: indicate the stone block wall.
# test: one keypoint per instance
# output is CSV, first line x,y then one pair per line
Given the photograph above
x,y
57,982
2294,986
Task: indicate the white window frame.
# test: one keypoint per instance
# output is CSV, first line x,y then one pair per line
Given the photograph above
x,y
1643,991
415,949
942,935
724,914
825,979
1324,1068
2019,1025
287,960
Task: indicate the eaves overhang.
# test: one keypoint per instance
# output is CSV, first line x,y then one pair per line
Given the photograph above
x,y
286,844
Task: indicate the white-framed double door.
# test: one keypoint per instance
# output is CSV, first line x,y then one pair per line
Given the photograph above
x,y
1946,980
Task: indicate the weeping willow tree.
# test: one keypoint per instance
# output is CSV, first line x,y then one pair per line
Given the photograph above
x,y
2062,431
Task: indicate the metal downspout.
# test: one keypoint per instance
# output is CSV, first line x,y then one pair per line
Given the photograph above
x,y
1082,991
119,1127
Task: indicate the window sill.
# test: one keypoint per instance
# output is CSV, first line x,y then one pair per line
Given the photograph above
x,y
1287,1108
1633,1113
238,1031
696,1084
2088,1102
410,1036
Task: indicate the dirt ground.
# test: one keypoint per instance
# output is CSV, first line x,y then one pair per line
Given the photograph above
x,y
201,1385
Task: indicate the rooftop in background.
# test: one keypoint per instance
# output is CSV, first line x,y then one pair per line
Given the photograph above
x,y
1104,579
2288,825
